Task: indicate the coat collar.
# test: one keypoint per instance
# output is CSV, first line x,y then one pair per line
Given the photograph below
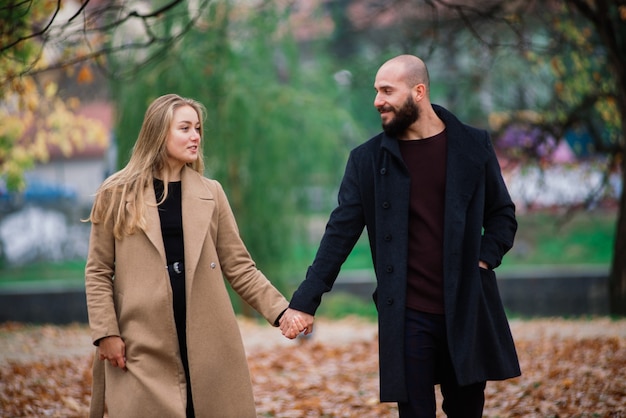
x,y
466,156
197,205
463,149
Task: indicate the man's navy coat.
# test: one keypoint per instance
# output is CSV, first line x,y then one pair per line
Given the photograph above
x,y
479,224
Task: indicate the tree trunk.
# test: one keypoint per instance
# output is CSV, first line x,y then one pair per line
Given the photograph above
x,y
617,278
609,24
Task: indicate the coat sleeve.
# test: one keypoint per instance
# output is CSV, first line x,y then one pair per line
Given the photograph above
x,y
99,276
499,223
343,230
240,269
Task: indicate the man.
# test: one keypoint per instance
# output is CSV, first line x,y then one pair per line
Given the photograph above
x,y
439,218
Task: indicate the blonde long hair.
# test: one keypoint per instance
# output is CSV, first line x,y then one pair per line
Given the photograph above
x,y
120,198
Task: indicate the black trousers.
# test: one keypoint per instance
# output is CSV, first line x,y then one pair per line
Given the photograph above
x,y
177,280
427,363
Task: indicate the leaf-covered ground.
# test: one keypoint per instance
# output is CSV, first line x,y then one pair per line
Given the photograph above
x,y
571,368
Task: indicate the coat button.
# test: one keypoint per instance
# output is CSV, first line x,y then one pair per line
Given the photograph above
x,y
388,237
386,205
389,301
383,171
389,269
213,265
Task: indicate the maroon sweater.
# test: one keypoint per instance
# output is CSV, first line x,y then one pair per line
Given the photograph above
x,y
426,161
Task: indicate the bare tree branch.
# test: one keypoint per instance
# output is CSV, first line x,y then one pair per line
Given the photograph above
x,y
34,34
79,11
94,23
494,12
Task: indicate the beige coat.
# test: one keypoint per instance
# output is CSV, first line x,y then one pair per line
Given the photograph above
x,y
129,294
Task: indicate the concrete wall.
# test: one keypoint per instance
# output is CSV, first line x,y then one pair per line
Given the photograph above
x,y
51,305
556,291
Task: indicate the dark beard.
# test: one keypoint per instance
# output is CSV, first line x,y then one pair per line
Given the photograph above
x,y
405,116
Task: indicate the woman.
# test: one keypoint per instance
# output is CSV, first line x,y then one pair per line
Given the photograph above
x,y
163,237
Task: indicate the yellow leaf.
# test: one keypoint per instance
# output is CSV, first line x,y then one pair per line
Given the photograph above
x,y
51,90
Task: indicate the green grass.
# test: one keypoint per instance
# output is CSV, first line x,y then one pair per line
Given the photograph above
x,y
542,239
548,239
31,275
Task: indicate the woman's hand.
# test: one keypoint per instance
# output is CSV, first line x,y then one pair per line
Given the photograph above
x,y
113,349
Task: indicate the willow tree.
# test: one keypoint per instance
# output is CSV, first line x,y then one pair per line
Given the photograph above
x,y
274,130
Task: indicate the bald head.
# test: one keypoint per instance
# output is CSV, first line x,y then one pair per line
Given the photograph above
x,y
402,99
410,68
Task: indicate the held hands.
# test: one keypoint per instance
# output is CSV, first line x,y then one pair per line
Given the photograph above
x,y
294,322
113,349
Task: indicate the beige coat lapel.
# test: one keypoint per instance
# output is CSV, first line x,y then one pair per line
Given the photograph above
x,y
153,222
197,205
